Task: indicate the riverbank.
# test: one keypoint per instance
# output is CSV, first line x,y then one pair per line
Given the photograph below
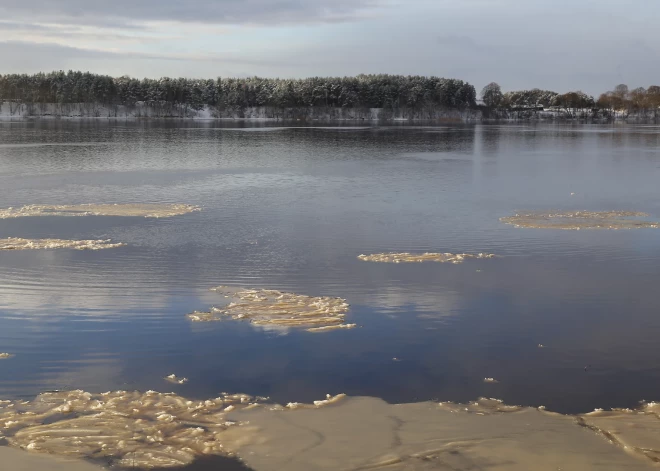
x,y
561,114
10,111
24,111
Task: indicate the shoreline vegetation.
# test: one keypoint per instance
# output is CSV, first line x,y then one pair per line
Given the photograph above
x,y
361,98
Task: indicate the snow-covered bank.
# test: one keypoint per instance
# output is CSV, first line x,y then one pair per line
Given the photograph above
x,y
150,110
563,114
20,111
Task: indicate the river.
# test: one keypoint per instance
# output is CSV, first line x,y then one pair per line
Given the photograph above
x,y
290,208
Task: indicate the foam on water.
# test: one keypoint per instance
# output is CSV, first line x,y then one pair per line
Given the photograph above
x,y
406,257
576,220
17,243
148,210
264,307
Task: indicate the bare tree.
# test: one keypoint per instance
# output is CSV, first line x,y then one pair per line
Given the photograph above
x,y
606,104
492,95
639,100
621,91
622,99
653,97
575,104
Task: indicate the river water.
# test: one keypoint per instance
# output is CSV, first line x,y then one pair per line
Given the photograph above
x,y
291,208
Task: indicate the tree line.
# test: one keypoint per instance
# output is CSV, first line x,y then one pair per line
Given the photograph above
x,y
368,91
384,91
638,100
622,100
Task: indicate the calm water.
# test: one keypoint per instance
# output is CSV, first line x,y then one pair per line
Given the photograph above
x,y
290,209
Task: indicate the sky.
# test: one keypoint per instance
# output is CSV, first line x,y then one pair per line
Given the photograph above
x,y
561,45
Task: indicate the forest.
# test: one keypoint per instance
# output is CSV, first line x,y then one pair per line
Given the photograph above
x,y
387,92
365,91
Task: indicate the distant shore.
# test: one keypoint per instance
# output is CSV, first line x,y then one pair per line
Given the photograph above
x,y
77,111
141,110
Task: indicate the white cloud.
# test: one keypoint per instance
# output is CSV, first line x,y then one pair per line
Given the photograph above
x,y
121,13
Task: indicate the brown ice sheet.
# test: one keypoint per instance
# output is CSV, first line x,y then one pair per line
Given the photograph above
x,y
636,430
127,428
263,307
147,210
155,429
369,434
12,459
406,257
576,220
17,243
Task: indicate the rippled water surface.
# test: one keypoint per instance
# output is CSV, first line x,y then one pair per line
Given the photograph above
x,y
291,208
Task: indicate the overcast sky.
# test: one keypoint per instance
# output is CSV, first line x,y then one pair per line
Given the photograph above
x,y
555,44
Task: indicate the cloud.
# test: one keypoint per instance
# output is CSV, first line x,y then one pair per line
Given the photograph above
x,y
23,26
18,31
514,43
43,56
128,12
19,50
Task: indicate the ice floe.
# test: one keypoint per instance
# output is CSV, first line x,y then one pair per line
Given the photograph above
x,y
405,257
264,307
174,379
152,429
17,243
148,210
576,220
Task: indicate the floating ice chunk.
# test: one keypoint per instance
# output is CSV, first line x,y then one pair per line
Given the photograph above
x,y
329,400
406,257
331,327
576,220
17,243
272,308
148,210
175,380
